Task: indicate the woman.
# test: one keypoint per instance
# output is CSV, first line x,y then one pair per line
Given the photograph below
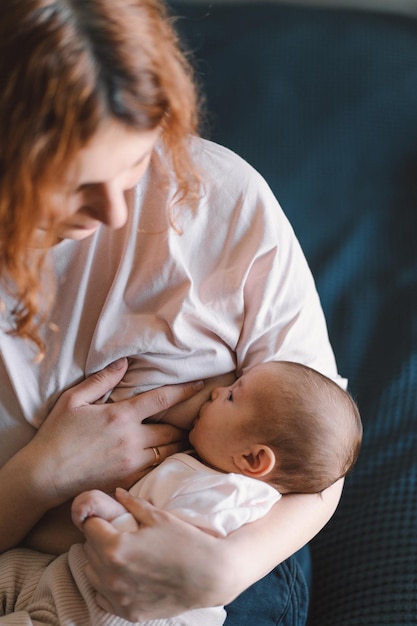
x,y
124,235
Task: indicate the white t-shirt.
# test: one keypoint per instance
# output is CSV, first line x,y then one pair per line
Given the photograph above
x,y
225,289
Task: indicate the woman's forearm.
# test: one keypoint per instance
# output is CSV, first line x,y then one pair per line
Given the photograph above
x,y
22,503
255,549
54,533
29,481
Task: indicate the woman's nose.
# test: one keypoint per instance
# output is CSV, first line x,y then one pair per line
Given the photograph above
x,y
109,205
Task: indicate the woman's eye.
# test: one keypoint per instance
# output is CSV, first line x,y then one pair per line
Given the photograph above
x,y
230,396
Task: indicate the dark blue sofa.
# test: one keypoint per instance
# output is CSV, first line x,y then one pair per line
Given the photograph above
x,y
324,104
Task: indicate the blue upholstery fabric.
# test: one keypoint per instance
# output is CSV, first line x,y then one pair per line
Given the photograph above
x,y
324,104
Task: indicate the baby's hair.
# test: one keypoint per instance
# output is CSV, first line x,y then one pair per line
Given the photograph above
x,y
311,423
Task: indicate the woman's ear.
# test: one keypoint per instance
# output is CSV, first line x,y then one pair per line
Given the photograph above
x,y
258,461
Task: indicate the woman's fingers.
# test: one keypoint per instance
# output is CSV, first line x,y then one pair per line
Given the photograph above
x,y
159,453
184,413
153,403
143,511
97,385
156,402
149,574
160,434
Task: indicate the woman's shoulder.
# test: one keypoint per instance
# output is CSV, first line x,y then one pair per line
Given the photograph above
x,y
221,171
225,173
220,159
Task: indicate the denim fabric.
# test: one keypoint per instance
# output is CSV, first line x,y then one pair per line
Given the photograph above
x,y
278,599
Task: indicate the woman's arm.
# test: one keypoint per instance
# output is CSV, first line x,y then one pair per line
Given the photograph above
x,y
54,533
156,572
292,523
81,446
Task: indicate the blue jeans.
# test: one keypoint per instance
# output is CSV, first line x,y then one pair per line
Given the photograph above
x,y
278,599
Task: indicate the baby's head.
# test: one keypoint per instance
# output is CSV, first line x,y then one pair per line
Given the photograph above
x,y
281,422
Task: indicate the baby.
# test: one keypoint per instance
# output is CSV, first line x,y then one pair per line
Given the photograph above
x,y
280,428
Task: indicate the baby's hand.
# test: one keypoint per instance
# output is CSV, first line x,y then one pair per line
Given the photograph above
x,y
95,503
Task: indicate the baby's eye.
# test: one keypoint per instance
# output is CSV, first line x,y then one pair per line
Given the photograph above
x,y
230,396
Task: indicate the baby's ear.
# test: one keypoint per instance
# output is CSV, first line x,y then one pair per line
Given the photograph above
x,y
257,461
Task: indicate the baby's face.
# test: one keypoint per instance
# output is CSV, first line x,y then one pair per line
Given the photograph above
x,y
217,434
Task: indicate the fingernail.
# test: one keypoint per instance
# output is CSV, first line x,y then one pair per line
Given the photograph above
x,y
198,384
121,492
118,364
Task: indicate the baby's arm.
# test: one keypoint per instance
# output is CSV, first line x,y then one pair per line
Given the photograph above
x,y
96,503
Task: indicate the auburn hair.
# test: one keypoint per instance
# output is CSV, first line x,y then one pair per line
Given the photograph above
x,y
66,66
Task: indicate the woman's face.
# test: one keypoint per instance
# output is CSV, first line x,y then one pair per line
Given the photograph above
x,y
113,161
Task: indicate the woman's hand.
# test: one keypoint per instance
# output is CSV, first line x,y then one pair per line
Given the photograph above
x,y
83,445
158,571
184,413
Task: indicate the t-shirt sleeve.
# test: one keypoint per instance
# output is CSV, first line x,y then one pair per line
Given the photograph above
x,y
283,317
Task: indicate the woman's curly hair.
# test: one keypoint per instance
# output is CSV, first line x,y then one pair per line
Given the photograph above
x,y
69,65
